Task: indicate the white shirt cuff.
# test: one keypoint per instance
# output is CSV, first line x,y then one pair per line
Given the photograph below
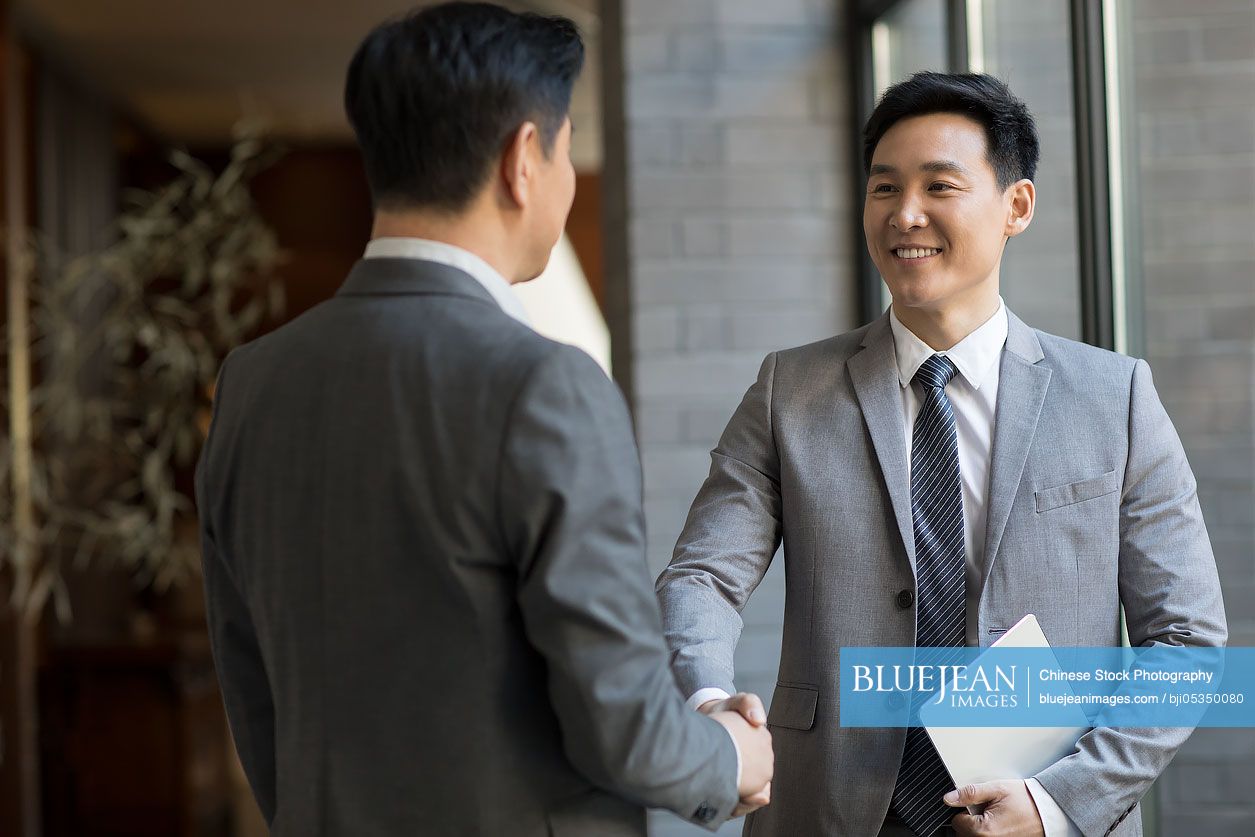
x,y
1054,822
715,693
702,695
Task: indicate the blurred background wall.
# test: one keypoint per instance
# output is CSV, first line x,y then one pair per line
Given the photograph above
x,y
717,219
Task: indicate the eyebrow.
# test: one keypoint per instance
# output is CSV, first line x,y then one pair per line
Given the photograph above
x,y
931,166
943,166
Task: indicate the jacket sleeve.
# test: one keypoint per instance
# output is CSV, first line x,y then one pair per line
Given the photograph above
x,y
236,651
570,511
733,530
1171,595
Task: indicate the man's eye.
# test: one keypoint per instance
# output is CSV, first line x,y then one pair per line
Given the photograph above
x,y
882,187
940,187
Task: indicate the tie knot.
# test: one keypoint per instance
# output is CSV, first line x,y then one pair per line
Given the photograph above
x,y
936,372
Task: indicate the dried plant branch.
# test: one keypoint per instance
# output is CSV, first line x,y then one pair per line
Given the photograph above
x,y
127,341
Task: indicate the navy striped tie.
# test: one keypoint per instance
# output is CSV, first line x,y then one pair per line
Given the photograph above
x,y
941,618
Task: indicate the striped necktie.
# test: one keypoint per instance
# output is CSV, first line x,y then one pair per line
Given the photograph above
x,y
941,619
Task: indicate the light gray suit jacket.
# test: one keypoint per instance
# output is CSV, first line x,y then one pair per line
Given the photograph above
x,y
1091,504
426,581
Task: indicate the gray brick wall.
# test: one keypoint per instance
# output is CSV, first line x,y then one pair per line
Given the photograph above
x,y
735,190
1192,124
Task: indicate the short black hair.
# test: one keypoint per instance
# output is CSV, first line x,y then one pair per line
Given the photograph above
x,y
1010,132
434,95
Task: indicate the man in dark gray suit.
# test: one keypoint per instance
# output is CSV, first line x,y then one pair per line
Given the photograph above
x,y
422,527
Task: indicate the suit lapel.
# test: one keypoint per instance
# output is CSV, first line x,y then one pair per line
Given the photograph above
x,y
1022,386
874,374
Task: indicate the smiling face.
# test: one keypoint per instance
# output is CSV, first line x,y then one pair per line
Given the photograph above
x,y
935,218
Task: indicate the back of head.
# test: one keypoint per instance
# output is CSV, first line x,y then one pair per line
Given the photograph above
x,y
433,97
1010,132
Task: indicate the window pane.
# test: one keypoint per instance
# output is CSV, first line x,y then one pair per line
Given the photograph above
x,y
1026,43
906,39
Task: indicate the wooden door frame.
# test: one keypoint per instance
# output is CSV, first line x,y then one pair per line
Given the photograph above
x,y
19,697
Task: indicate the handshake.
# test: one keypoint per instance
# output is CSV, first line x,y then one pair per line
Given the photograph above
x,y
745,719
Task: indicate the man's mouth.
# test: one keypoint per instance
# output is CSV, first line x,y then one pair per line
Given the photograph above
x,y
916,252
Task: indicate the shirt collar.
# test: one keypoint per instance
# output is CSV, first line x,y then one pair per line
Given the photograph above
x,y
975,356
448,254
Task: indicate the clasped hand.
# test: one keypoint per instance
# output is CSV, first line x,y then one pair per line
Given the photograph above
x,y
743,716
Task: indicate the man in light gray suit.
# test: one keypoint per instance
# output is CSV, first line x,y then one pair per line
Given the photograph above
x,y
934,477
423,549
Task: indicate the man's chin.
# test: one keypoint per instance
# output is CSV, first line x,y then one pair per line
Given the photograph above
x,y
531,274
537,268
913,293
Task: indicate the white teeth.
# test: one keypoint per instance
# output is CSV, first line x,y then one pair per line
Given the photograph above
x,y
916,252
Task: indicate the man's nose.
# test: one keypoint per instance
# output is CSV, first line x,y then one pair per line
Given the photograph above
x,y
908,215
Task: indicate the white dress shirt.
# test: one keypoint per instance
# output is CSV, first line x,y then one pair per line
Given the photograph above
x,y
448,254
973,395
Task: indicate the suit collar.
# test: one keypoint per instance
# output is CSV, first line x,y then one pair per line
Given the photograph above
x,y
877,331
442,252
1021,340
411,277
976,355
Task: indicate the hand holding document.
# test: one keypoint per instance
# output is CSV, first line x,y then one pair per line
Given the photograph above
x,y
985,754
1005,807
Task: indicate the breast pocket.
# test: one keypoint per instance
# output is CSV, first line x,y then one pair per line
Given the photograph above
x,y
1077,492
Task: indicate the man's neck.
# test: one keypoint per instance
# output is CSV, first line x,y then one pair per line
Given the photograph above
x,y
468,230
944,328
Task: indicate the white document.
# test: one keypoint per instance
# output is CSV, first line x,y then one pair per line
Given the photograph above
x,y
987,754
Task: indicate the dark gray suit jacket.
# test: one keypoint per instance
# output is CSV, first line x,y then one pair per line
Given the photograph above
x,y
425,575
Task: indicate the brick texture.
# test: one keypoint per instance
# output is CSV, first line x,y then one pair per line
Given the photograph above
x,y
1190,115
736,179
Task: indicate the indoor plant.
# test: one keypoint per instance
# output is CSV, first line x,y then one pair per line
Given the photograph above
x,y
126,342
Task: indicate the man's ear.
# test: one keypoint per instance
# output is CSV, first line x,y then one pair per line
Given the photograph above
x,y
1023,203
518,168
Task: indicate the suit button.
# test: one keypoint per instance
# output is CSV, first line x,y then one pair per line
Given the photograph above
x,y
704,813
906,598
